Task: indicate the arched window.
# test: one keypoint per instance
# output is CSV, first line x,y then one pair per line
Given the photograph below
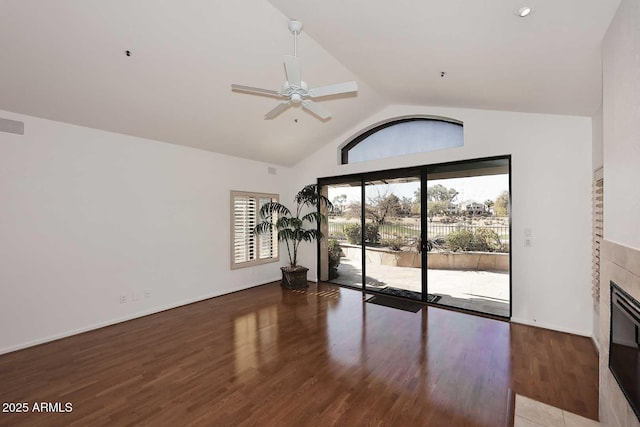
x,y
403,136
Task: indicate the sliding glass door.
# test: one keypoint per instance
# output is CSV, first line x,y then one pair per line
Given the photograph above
x,y
469,233
341,249
392,228
437,233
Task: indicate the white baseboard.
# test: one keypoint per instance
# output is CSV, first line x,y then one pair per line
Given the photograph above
x,y
587,334
136,315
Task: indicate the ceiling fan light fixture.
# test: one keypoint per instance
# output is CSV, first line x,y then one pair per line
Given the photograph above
x,y
524,11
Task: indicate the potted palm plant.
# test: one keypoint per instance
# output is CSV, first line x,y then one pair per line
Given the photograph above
x,y
295,227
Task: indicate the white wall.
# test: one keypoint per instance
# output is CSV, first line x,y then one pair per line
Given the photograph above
x,y
597,160
551,194
621,122
88,215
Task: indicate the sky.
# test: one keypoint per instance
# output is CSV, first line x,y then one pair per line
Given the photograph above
x,y
478,188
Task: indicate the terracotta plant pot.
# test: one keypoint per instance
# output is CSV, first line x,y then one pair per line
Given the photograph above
x,y
294,278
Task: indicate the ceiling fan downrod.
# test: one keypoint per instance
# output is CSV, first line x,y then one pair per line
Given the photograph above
x,y
295,27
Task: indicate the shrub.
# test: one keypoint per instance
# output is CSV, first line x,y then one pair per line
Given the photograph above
x,y
371,233
335,252
394,244
459,240
484,240
353,231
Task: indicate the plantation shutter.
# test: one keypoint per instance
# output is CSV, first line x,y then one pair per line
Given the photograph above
x,y
598,233
244,219
268,241
248,248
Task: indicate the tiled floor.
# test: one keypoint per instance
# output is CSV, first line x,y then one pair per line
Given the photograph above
x,y
531,413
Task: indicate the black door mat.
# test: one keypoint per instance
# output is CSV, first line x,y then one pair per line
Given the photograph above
x,y
398,303
408,294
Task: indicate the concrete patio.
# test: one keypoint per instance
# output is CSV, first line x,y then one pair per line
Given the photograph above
x,y
483,291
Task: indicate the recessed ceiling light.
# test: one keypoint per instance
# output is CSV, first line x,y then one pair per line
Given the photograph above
x,y
524,11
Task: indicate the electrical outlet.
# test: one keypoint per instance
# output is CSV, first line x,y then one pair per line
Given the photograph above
x,y
147,293
123,299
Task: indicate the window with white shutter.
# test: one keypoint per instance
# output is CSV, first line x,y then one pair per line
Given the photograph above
x,y
248,248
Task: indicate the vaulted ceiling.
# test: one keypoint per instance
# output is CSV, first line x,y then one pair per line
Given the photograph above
x,y
66,61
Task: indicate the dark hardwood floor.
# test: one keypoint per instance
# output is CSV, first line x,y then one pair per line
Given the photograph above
x,y
273,357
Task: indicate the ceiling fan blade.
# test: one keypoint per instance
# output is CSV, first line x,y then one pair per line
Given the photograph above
x,y
292,67
276,111
257,90
334,89
316,109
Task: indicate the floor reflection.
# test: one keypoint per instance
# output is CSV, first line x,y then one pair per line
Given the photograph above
x,y
431,353
255,340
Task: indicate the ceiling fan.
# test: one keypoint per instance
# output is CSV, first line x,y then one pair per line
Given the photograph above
x,y
294,90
